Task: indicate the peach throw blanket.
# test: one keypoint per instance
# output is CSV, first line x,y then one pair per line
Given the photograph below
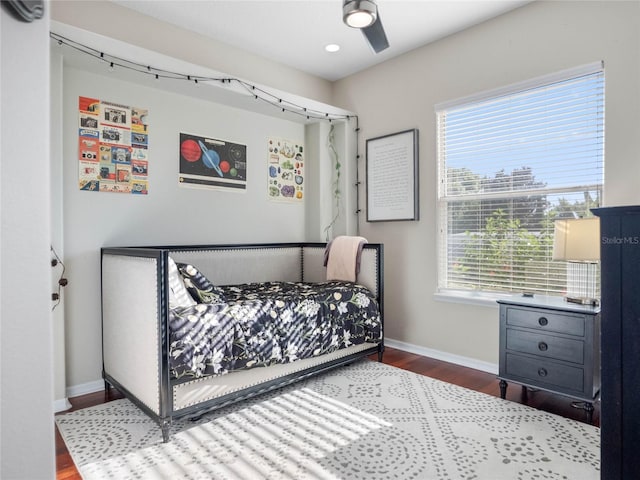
x,y
343,259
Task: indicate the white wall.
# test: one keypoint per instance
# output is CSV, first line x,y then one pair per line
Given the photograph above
x,y
26,387
114,21
539,38
170,214
329,214
61,401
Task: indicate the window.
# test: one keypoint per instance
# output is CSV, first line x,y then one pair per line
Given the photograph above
x,y
511,162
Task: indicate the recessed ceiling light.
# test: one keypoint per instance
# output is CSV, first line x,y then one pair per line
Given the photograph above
x,y
332,47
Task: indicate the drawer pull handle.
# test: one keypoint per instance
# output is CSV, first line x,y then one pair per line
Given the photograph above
x,y
543,347
543,321
542,372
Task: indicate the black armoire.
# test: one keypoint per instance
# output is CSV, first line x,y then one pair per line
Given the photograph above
x,y
620,342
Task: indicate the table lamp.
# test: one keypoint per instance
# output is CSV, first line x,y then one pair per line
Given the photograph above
x,y
577,241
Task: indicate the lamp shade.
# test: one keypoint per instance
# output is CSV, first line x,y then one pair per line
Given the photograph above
x,y
577,240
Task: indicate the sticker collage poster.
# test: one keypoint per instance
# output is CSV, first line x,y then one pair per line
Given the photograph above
x,y
210,163
286,170
112,147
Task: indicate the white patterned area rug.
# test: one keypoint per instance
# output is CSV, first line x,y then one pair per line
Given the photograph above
x,y
364,421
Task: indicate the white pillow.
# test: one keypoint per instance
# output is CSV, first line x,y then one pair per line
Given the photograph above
x,y
178,295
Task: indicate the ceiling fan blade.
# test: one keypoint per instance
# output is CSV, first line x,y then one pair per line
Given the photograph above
x,y
376,36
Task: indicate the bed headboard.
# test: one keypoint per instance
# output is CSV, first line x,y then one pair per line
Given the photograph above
x,y
233,266
284,262
249,263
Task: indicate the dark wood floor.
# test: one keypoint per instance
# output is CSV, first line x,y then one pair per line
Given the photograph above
x,y
448,372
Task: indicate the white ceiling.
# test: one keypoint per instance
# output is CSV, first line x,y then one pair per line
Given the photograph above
x,y
295,32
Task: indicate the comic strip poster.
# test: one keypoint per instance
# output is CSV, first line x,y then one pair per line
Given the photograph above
x,y
210,163
112,147
286,170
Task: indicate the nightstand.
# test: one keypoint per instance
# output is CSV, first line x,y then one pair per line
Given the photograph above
x,y
549,344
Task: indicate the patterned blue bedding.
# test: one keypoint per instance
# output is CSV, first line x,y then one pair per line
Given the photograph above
x,y
262,324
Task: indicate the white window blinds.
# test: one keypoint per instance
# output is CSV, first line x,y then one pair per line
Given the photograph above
x,y
510,163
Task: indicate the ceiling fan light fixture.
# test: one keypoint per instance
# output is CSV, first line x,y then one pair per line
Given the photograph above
x,y
359,13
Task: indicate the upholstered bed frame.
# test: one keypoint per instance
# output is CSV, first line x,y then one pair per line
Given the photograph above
x,y
135,315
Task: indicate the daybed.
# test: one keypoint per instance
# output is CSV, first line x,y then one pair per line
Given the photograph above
x,y
147,326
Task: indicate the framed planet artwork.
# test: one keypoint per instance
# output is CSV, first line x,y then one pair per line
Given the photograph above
x,y
211,163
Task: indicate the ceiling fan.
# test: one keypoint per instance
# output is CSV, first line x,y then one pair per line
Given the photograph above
x,y
363,14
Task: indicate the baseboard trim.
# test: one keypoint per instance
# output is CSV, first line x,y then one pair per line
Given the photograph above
x,y
84,388
61,405
444,356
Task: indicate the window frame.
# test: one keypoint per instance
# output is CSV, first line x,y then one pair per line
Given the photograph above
x,y
487,297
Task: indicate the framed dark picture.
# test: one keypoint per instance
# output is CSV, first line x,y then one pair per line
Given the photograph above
x,y
210,163
392,177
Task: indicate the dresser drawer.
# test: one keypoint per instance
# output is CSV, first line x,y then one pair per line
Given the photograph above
x,y
547,320
538,371
544,345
